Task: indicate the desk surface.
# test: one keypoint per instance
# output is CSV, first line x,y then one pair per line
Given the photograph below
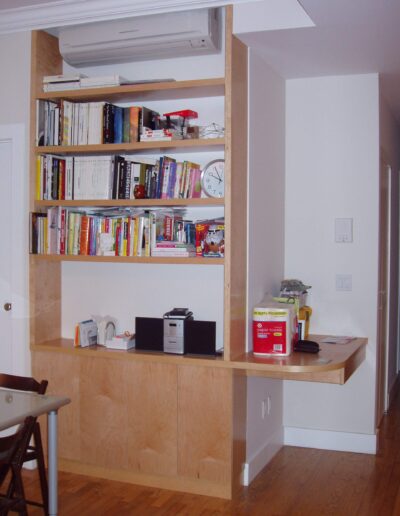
x,y
335,363
15,406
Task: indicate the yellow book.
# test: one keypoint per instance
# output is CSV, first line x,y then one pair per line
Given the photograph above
x,y
38,178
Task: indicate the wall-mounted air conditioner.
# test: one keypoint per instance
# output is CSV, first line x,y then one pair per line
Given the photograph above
x,y
143,37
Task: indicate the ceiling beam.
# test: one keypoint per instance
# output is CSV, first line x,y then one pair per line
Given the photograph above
x,y
74,12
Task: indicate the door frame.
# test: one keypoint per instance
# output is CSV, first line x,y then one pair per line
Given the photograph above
x,y
16,135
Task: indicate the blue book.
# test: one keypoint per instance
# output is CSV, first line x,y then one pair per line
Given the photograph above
x,y
118,124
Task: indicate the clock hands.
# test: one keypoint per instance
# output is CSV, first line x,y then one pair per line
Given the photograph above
x,y
217,178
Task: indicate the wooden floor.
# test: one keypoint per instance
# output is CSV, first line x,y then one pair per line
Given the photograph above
x,y
298,481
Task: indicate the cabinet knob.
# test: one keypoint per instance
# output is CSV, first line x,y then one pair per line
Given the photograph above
x,y
7,307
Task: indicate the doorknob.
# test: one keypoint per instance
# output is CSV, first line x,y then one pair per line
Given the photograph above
x,y
7,307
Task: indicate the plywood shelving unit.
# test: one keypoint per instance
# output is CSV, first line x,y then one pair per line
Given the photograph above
x,y
141,419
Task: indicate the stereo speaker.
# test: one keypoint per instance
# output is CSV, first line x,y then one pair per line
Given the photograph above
x,y
149,333
199,337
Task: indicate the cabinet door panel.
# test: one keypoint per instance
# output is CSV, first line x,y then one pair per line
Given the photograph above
x,y
152,440
204,423
63,373
104,412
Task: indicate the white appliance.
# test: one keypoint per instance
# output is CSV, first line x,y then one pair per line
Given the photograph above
x,y
141,38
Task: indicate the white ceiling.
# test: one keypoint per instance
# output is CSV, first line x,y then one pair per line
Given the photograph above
x,y
349,36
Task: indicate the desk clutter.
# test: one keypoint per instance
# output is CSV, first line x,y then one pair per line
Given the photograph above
x,y
177,332
281,324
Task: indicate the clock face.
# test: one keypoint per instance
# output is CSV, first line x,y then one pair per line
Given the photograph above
x,y
212,178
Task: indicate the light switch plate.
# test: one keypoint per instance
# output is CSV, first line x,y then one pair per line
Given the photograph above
x,y
344,231
344,282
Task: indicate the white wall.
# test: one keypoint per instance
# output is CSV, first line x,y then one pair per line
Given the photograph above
x,y
390,147
332,170
266,243
125,290
15,109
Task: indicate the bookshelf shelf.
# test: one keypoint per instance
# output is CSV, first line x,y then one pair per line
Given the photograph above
x,y
145,203
206,145
149,91
129,259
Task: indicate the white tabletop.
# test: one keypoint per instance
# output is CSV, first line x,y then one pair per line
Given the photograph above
x,y
15,406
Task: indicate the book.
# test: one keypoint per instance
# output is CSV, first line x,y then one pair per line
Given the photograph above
x,y
60,78
118,124
103,80
84,235
85,334
134,123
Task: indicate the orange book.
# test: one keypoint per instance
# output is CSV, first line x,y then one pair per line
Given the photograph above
x,y
134,123
84,235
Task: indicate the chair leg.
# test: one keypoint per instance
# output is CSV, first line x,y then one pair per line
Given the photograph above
x,y
18,489
41,467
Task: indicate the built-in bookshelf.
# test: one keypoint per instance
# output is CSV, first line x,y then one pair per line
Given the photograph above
x,y
181,457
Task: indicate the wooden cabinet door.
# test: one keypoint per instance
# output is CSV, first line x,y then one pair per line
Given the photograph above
x,y
152,418
104,387
205,424
63,374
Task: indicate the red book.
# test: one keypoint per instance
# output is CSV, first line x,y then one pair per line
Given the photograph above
x,y
63,213
84,236
201,232
61,179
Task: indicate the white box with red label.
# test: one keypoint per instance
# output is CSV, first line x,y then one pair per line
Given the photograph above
x,y
274,329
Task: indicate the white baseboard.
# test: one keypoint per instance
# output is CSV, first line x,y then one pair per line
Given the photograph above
x,y
328,440
260,459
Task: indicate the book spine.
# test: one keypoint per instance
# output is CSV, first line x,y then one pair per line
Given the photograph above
x,y
118,124
134,123
63,230
84,235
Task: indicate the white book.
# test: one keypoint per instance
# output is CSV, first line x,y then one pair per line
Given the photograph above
x,y
76,77
69,177
104,80
61,86
95,123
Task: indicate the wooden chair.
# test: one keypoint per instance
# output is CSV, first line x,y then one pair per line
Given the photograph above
x,y
34,451
12,451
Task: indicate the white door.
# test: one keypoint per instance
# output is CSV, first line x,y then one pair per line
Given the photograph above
x,y
5,258
13,257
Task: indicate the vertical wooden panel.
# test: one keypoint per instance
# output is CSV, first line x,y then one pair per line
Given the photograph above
x,y
236,193
239,423
104,412
45,300
205,423
152,416
63,374
45,278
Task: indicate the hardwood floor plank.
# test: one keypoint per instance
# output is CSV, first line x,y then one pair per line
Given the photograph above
x,y
297,482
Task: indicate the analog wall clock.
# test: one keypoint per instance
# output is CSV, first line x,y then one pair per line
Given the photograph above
x,y
213,178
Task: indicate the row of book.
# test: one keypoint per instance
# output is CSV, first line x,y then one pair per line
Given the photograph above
x,y
115,177
86,123
92,123
158,233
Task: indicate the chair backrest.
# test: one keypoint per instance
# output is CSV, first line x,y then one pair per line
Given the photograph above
x,y
22,383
